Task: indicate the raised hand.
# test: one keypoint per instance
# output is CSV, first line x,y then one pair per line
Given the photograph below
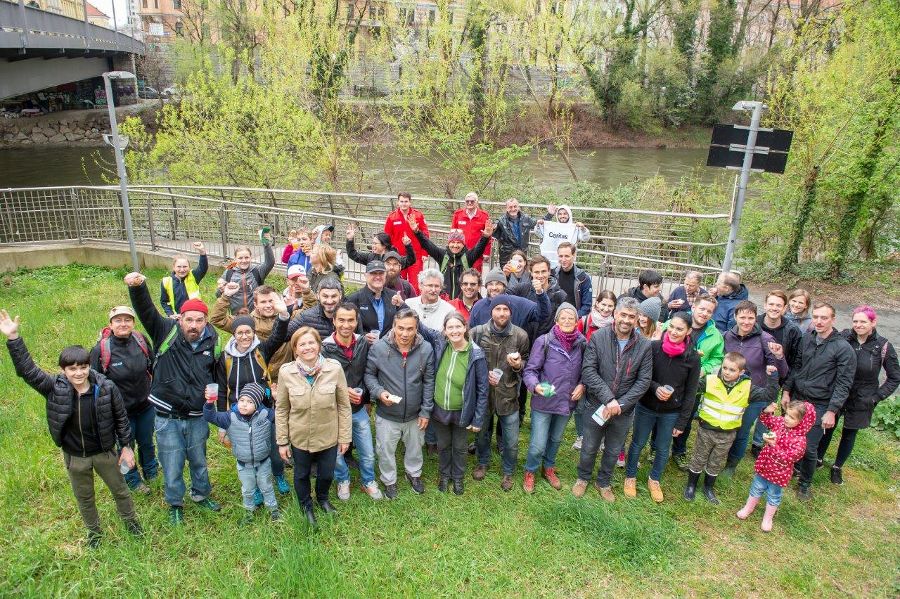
x,y
489,227
8,326
199,247
551,209
230,289
351,231
134,279
413,223
280,306
406,240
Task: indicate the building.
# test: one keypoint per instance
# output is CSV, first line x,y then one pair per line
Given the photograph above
x,y
95,16
161,20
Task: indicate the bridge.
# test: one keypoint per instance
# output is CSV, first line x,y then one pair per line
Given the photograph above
x,y
40,49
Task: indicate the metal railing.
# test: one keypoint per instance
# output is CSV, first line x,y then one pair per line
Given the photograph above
x,y
166,218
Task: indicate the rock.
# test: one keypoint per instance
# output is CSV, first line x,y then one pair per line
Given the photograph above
x,y
58,138
64,129
21,136
35,129
76,136
39,138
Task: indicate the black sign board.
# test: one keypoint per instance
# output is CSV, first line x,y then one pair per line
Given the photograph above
x,y
778,142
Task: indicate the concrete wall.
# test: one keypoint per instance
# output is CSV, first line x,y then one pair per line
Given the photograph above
x,y
24,76
61,254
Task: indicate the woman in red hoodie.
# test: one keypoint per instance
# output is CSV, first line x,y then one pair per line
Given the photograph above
x,y
785,444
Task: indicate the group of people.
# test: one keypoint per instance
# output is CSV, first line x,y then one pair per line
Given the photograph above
x,y
444,359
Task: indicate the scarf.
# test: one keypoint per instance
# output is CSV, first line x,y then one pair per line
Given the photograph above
x,y
504,332
567,340
306,370
673,349
599,321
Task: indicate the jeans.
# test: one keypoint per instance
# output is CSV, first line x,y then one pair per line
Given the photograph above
x,y
845,447
303,461
142,429
645,421
758,433
546,435
612,435
808,461
179,440
388,434
362,440
430,435
509,442
751,416
453,449
253,476
81,477
761,486
578,417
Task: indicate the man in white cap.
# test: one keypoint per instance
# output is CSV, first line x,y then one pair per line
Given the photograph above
x,y
471,220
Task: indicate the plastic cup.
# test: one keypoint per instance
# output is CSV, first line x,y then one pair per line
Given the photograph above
x,y
212,390
357,390
668,389
124,468
514,355
497,372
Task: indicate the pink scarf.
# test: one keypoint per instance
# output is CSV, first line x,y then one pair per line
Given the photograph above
x,y
673,349
567,340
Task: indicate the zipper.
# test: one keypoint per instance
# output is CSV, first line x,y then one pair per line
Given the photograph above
x,y
250,437
80,429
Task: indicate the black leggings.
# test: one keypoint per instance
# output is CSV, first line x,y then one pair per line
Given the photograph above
x,y
845,447
303,461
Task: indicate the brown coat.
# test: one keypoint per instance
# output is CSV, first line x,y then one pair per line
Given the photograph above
x,y
313,418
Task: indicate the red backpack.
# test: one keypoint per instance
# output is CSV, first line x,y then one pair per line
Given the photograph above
x,y
105,354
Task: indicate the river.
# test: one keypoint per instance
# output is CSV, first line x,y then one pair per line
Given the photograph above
x,y
47,166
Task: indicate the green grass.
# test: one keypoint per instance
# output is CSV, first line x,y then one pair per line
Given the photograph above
x,y
486,543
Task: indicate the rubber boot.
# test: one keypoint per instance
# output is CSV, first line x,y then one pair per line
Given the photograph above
x,y
708,484
766,525
748,508
691,489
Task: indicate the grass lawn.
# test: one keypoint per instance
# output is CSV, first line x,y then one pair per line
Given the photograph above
x,y
485,543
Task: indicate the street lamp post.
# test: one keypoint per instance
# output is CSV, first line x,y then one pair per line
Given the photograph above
x,y
118,143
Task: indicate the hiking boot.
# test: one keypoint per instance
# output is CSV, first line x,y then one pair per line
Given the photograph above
x,y
549,475
327,507
416,483
630,488
480,472
443,484
691,489
134,527
371,489
246,518
310,516
209,504
577,444
837,477
275,515
804,493
681,462
257,498
93,539
605,492
390,491
282,485
507,483
528,482
471,449
709,482
176,515
141,488
819,464
579,488
656,493
343,490
458,488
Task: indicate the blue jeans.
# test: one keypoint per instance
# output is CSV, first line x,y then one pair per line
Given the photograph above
x,y
751,415
181,440
644,422
509,440
546,435
253,477
578,417
142,429
362,441
761,486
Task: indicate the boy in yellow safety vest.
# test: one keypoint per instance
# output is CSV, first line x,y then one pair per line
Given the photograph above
x,y
183,283
724,397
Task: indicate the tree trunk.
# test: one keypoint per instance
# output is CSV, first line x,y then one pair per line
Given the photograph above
x,y
792,253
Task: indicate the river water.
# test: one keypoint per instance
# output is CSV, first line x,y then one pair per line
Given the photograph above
x,y
388,173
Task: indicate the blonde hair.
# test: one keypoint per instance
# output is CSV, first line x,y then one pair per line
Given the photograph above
x,y
242,248
178,257
326,255
303,331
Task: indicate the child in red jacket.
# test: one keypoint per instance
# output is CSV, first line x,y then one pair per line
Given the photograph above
x,y
785,444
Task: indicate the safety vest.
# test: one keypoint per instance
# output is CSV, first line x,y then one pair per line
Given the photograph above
x,y
722,408
190,286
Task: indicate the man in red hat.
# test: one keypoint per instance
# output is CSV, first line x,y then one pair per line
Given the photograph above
x,y
184,369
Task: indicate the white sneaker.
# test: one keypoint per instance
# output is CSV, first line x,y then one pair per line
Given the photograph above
x,y
372,490
577,444
343,490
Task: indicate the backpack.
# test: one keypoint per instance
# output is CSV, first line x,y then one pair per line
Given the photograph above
x,y
257,355
167,342
106,354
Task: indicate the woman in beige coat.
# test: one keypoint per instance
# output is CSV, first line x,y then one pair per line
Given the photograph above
x,y
312,417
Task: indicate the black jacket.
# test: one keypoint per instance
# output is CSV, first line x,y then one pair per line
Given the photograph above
x,y
556,296
824,372
788,335
682,373
365,257
455,263
368,318
235,371
354,368
129,369
506,239
866,391
181,373
110,420
311,317
608,374
637,294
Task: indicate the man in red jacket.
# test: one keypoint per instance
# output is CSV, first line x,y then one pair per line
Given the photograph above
x,y
397,227
471,220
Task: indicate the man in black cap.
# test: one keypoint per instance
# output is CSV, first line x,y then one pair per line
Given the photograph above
x,y
393,264
377,305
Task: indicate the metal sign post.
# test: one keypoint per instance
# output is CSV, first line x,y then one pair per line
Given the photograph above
x,y
757,108
118,143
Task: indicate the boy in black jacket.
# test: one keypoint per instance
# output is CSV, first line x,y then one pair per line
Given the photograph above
x,y
87,419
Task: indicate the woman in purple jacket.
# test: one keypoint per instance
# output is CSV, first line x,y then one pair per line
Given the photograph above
x,y
553,375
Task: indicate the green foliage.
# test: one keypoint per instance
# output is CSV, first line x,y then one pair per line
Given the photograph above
x,y
887,416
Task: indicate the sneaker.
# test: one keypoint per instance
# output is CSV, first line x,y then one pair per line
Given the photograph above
x,y
804,494
507,483
549,475
211,505
282,485
819,464
416,483
371,489
630,488
176,515
141,488
579,488
257,498
134,527
390,491
605,492
275,515
343,490
680,461
656,493
458,487
577,444
620,462
480,472
246,518
837,476
443,484
528,482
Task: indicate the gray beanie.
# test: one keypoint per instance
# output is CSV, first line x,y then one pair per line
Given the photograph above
x,y
565,306
495,275
651,308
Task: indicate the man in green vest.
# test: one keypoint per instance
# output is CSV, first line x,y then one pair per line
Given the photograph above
x,y
183,283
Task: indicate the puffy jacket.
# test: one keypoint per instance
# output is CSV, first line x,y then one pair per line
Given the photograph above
x,y
110,417
549,362
873,355
754,346
181,373
583,290
179,288
354,368
412,378
776,462
503,399
825,372
724,314
234,369
453,264
312,417
506,237
526,314
314,317
475,388
364,258
368,318
251,438
248,280
555,295
682,373
608,374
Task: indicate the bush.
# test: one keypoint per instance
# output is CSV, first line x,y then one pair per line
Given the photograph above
x,y
887,416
